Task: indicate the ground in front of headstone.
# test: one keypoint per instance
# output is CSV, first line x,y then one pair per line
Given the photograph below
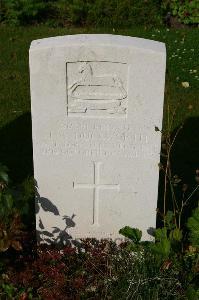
x,y
96,270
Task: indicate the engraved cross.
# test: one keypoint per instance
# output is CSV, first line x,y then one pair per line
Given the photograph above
x,y
96,186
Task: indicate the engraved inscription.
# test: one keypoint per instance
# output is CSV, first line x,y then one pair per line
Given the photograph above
x,y
96,89
96,186
100,140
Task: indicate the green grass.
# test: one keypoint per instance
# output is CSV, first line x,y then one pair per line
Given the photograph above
x,y
15,126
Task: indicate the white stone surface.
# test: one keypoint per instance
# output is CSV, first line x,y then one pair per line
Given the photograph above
x,y
96,100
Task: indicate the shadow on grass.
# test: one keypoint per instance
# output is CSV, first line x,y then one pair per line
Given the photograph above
x,y
184,163
16,148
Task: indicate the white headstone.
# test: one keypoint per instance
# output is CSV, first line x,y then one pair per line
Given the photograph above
x,y
96,100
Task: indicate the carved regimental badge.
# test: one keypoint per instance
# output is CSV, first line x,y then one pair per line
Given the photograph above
x,y
96,89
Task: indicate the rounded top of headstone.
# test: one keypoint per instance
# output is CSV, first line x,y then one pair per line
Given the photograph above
x,y
98,39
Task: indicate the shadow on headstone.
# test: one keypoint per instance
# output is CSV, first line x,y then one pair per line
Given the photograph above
x,y
184,163
44,203
59,236
16,147
16,153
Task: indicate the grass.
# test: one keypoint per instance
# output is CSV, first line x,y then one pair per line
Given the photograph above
x,y
15,125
